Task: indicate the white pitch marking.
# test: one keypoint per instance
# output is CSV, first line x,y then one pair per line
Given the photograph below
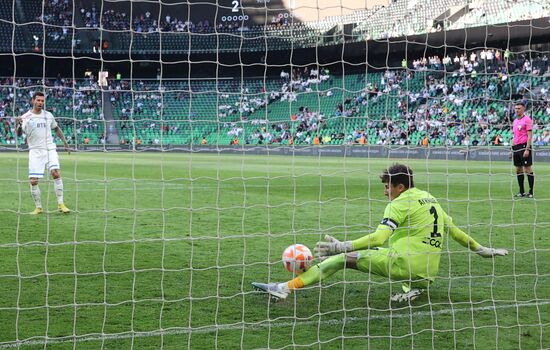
x,y
211,329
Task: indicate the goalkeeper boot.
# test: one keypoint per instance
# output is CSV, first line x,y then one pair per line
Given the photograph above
x,y
406,297
63,209
275,292
36,211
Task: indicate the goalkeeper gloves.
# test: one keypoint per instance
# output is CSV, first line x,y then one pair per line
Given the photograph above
x,y
331,246
491,252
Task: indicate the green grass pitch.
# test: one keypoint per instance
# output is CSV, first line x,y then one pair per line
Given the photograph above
x,y
161,249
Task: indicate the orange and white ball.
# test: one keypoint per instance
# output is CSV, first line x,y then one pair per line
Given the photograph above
x,y
297,258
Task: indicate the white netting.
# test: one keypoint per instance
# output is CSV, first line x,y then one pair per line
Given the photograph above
x,y
212,135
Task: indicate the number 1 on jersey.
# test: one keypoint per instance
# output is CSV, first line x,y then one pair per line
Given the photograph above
x,y
433,211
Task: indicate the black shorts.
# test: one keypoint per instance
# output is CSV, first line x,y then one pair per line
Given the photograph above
x,y
518,155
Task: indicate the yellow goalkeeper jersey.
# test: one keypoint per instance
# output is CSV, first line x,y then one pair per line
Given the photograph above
x,y
418,224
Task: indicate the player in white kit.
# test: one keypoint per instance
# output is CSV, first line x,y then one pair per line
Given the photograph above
x,y
37,124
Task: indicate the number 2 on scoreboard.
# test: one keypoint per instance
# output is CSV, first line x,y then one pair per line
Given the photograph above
x,y
235,4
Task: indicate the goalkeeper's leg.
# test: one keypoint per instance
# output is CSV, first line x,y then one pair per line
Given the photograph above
x,y
369,261
313,275
323,270
374,261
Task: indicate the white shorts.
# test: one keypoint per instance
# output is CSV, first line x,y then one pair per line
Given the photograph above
x,y
40,159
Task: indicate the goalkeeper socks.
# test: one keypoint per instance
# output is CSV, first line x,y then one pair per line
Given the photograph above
x,y
59,190
35,193
531,181
296,283
520,183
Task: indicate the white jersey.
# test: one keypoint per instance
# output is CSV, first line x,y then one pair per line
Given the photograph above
x,y
38,128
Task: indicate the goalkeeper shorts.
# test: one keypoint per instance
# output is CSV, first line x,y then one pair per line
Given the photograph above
x,y
380,262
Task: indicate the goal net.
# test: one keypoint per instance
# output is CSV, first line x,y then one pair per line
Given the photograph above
x,y
208,136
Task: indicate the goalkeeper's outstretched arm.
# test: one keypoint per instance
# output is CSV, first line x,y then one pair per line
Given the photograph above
x,y
332,246
466,241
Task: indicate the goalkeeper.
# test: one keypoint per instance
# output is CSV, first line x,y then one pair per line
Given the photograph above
x,y
415,225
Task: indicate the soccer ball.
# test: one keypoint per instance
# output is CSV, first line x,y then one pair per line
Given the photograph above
x,y
297,258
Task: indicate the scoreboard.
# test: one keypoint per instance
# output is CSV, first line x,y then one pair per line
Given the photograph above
x,y
250,12
243,12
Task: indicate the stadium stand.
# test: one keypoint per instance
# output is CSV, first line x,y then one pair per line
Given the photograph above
x,y
461,107
416,17
429,104
149,31
77,107
493,12
47,25
451,100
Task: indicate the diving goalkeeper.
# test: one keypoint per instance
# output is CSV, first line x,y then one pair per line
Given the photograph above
x,y
415,225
